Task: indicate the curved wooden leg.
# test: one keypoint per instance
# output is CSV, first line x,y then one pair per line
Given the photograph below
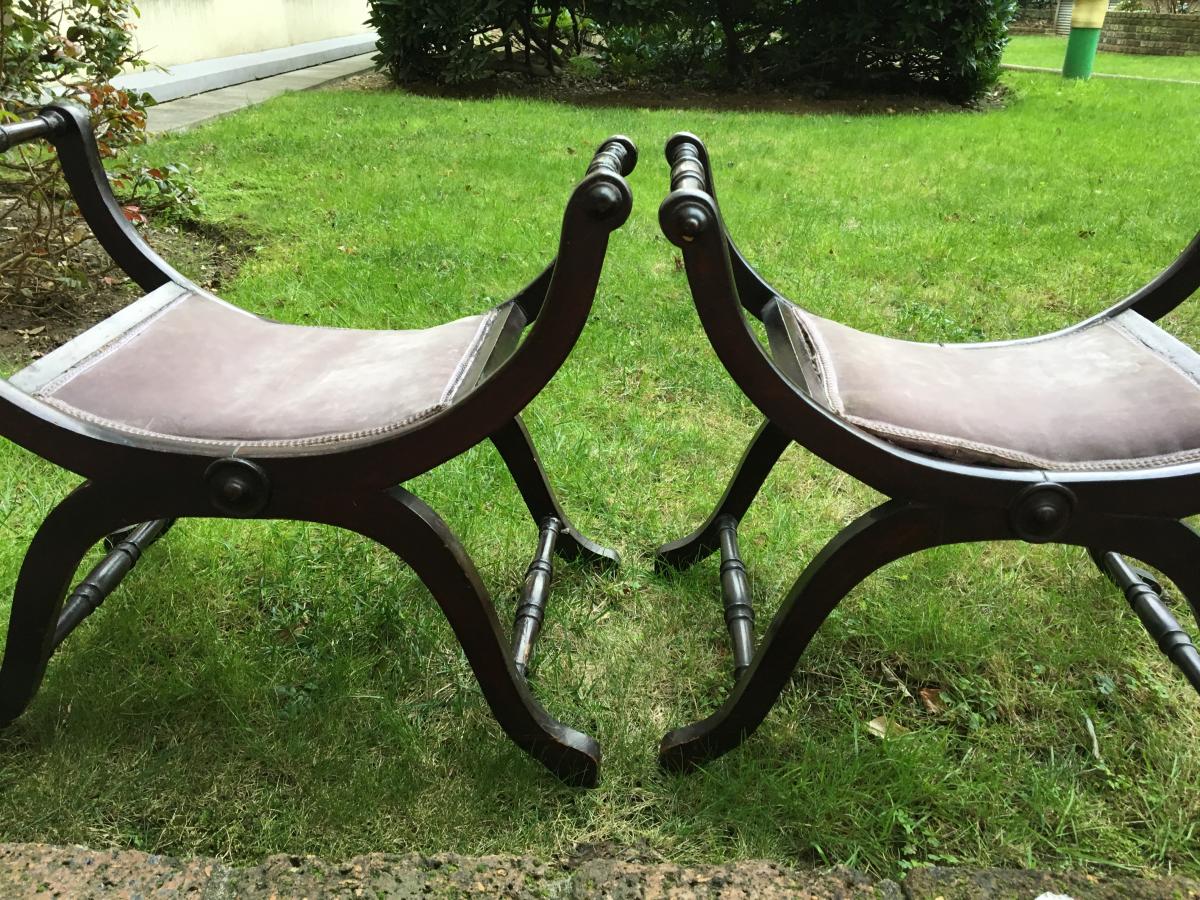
x,y
84,518
405,525
519,454
887,533
760,457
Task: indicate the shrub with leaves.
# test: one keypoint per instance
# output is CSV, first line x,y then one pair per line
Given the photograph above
x,y
657,50
70,49
944,46
454,41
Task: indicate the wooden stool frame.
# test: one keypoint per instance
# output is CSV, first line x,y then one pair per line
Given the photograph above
x,y
136,486
934,502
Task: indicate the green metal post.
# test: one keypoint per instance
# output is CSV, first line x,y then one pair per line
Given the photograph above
x,y
1087,21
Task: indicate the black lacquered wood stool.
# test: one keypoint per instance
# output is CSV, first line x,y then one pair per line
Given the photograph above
x,y
182,405
1087,436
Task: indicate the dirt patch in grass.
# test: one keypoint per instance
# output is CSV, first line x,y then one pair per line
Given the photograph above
x,y
31,327
602,91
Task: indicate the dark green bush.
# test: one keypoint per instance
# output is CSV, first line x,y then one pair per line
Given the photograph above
x,y
634,51
430,38
951,47
454,41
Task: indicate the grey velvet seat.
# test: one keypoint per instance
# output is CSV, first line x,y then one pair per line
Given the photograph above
x,y
226,380
1056,402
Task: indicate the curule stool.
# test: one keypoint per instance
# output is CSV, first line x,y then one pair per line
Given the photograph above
x,y
183,405
1046,439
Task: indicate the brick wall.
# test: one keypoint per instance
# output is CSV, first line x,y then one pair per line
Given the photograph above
x,y
1127,32
1033,21
1144,32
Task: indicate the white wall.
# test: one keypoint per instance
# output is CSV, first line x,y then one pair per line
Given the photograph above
x,y
180,31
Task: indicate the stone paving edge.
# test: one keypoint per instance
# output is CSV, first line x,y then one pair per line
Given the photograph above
x,y
47,871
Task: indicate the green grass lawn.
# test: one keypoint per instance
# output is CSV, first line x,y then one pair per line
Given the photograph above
x,y
259,687
1048,51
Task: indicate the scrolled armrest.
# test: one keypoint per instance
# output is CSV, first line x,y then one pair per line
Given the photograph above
x,y
604,192
42,126
617,155
687,159
1170,288
68,127
690,208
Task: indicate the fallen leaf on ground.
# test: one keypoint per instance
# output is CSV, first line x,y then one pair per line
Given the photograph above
x,y
931,699
884,727
1091,730
896,680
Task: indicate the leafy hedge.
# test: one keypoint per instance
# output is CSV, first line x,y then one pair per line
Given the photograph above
x,y
948,46
460,40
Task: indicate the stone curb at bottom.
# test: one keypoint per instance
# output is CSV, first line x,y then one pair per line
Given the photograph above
x,y
44,871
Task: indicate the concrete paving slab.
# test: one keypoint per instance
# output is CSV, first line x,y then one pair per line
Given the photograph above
x,y
212,74
188,112
299,81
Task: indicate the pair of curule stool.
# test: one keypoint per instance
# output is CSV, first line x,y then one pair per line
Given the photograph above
x,y
182,405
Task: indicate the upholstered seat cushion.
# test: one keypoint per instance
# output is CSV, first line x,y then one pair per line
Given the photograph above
x,y
1114,395
192,369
